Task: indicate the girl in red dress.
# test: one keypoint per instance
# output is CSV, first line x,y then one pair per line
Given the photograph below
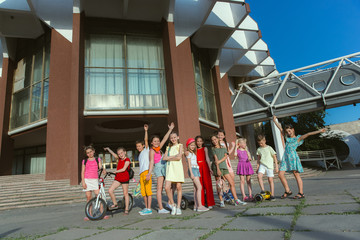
x,y
122,177
203,161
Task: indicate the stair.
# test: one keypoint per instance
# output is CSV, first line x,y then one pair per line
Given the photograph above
x,y
31,190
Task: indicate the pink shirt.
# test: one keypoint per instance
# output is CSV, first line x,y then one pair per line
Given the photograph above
x,y
157,157
91,168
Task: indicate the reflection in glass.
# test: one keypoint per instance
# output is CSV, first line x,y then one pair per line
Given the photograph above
x,y
35,102
44,111
20,108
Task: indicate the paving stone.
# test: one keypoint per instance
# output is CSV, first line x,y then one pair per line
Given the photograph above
x,y
174,234
280,202
269,210
202,223
117,234
328,223
326,199
260,223
325,235
221,213
71,234
154,224
236,235
333,208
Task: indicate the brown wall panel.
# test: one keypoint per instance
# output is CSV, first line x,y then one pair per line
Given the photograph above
x,y
180,83
223,102
58,132
6,143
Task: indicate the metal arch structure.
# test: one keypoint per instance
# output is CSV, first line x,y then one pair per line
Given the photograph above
x,y
328,84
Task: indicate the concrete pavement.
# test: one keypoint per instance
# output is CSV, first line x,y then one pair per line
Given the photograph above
x,y
331,210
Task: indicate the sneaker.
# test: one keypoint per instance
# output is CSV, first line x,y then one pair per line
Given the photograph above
x,y
203,209
163,211
195,209
210,207
246,199
173,211
168,206
222,204
146,212
142,210
272,198
178,211
239,202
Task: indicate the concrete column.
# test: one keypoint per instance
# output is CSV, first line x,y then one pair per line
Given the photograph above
x,y
6,143
223,104
278,140
76,95
180,84
58,154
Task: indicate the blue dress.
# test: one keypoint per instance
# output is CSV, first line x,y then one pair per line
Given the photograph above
x,y
291,161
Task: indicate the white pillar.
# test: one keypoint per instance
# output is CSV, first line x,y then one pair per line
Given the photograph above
x,y
277,140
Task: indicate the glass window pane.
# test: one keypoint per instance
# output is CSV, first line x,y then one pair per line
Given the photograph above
x,y
47,61
210,106
20,108
44,112
207,79
200,99
144,53
35,102
145,88
105,51
19,75
28,68
37,76
197,73
105,88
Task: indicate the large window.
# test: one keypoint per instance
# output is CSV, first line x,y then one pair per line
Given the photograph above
x,y
31,85
204,86
124,72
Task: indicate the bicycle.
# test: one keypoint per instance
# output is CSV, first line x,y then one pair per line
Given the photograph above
x,y
97,207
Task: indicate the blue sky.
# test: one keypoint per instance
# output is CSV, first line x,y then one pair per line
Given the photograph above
x,y
301,33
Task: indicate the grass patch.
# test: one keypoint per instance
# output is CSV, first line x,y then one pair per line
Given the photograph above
x,y
143,234
297,214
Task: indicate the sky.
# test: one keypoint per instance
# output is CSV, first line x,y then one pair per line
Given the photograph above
x,y
301,33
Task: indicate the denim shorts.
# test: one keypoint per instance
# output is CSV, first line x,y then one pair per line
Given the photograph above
x,y
195,171
160,169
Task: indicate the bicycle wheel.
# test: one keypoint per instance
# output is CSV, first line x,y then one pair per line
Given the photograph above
x,y
95,209
131,202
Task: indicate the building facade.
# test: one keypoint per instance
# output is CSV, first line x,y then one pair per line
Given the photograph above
x,y
81,72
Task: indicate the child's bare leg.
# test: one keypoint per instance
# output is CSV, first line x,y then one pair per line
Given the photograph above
x,y
145,201
248,181
261,182
284,181
195,200
169,192
271,183
299,182
179,194
159,188
149,199
88,195
198,192
232,185
125,187
112,188
242,186
218,190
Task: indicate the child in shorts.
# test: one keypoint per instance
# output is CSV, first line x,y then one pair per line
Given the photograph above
x,y
145,185
265,164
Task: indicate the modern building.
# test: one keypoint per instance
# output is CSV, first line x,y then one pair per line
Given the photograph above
x,y
76,72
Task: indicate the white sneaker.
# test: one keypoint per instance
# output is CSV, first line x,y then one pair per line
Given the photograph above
x,y
222,204
178,211
210,207
163,211
173,211
168,206
239,202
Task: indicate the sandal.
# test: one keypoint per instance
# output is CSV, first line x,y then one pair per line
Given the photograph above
x,y
286,194
126,212
299,196
114,206
86,219
106,217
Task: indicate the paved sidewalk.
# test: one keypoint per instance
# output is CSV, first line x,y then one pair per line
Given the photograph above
x,y
331,210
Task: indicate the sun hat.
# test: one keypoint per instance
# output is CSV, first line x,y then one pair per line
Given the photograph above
x,y
190,140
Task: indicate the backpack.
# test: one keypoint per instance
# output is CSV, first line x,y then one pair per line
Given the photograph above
x,y
131,172
96,159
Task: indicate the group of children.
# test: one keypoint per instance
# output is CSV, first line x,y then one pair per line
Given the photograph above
x,y
168,169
